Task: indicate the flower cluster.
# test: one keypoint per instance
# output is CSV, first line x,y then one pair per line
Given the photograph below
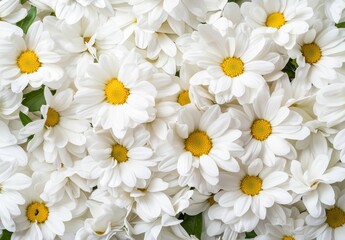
x,y
172,119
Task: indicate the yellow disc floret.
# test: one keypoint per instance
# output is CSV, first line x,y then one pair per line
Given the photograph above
x,y
119,153
183,98
28,62
288,238
275,20
251,185
37,212
198,143
115,92
335,217
261,129
311,52
53,118
232,66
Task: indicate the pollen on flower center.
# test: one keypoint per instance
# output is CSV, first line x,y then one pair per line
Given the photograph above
x,y
115,92
99,232
198,143
211,200
53,118
261,129
311,52
183,98
275,20
119,153
28,62
251,185
87,39
37,212
288,238
335,217
232,66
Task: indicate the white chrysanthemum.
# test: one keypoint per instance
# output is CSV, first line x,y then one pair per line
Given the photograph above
x,y
292,229
331,225
231,66
73,10
41,220
319,56
10,104
247,195
116,93
282,21
205,143
115,161
57,128
30,59
329,104
335,10
147,198
267,127
11,182
12,11
107,221
312,182
9,150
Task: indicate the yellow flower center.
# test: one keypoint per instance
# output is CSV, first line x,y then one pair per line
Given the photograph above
x,y
232,66
198,143
275,20
183,98
261,129
37,212
119,153
87,39
28,62
211,200
311,52
115,92
335,217
288,238
53,118
251,185
99,232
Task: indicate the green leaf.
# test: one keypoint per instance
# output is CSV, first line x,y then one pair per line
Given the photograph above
x,y
6,235
290,68
23,1
24,118
193,225
28,20
34,100
251,234
340,25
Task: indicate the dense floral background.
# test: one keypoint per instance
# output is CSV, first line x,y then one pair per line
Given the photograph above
x,y
172,119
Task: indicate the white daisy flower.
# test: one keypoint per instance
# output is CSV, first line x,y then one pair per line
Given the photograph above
x,y
31,59
39,219
329,104
147,198
9,149
331,225
318,55
312,182
247,195
232,66
12,11
205,143
11,182
115,161
73,10
116,93
292,229
58,127
335,10
267,126
281,21
10,104
107,222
